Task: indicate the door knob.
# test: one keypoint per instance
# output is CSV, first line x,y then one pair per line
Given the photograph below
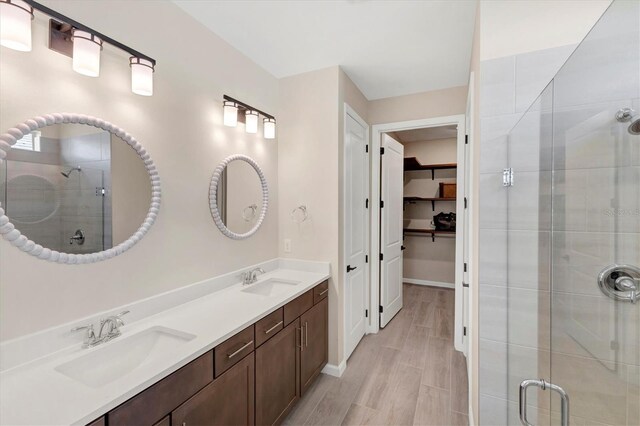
x,y
350,268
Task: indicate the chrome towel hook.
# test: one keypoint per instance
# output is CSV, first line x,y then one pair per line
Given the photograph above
x,y
299,218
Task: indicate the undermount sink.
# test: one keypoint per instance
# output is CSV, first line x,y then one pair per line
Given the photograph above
x,y
270,287
104,364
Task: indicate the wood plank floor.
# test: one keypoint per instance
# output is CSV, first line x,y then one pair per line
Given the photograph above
x,y
407,374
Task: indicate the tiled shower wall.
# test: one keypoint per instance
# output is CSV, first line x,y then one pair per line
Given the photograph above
x,y
541,312
512,289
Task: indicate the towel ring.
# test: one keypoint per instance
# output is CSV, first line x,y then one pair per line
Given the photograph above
x,y
249,212
305,214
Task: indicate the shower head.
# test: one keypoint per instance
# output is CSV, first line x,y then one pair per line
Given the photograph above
x,y
625,115
68,172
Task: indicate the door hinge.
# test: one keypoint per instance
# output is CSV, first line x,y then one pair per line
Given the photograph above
x,y
464,331
381,309
382,150
381,204
366,313
366,258
101,192
465,202
466,139
381,256
366,148
507,177
465,267
366,203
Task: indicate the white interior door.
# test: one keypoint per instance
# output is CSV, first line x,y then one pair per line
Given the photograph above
x,y
356,231
392,181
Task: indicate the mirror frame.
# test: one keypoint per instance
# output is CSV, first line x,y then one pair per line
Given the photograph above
x,y
13,235
213,197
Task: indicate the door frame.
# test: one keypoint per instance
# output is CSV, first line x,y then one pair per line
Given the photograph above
x,y
374,267
350,112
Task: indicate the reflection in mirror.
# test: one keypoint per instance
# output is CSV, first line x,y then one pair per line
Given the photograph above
x,y
239,196
74,188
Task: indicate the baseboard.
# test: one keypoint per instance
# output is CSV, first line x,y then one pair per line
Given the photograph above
x,y
471,418
335,370
428,283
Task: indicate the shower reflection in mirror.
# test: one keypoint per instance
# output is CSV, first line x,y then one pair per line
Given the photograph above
x,y
74,188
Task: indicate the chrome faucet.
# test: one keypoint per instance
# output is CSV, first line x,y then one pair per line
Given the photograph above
x,y
111,323
250,277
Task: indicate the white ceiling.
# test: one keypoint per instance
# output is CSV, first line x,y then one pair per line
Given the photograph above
x,y
388,48
426,134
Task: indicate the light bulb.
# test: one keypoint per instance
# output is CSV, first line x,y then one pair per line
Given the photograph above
x,y
141,76
251,121
269,128
86,53
230,113
15,25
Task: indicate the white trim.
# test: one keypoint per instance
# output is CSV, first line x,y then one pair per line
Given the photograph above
x,y
376,133
335,370
213,197
349,111
11,234
428,283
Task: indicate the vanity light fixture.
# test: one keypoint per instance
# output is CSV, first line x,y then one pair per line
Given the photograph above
x,y
15,25
232,108
230,113
70,38
269,128
86,53
141,76
251,121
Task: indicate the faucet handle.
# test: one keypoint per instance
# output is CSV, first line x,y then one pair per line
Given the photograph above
x,y
88,327
90,335
119,317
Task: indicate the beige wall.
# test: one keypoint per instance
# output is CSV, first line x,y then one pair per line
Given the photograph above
x,y
438,103
130,190
424,259
181,128
308,175
474,139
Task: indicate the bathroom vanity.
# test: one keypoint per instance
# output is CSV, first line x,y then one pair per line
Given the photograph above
x,y
254,377
216,352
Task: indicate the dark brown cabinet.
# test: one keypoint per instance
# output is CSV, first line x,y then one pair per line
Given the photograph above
x,y
278,375
254,377
313,354
228,400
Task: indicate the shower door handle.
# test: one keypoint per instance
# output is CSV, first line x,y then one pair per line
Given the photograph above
x,y
564,400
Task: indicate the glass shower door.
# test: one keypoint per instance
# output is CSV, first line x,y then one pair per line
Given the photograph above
x,y
595,331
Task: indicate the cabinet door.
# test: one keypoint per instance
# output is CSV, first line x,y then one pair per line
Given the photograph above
x,y
278,375
315,340
228,400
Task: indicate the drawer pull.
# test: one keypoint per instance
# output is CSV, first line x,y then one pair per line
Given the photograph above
x,y
306,333
326,290
245,346
276,325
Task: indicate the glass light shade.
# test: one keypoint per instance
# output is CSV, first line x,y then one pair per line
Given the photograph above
x,y
230,114
86,53
15,25
251,122
141,76
269,128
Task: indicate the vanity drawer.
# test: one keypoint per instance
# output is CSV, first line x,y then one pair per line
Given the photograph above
x,y
321,291
233,350
268,326
151,405
297,307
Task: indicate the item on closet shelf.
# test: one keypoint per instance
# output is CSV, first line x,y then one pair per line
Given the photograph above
x,y
445,221
447,190
299,214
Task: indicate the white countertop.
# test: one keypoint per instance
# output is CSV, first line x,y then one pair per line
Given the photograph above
x,y
36,394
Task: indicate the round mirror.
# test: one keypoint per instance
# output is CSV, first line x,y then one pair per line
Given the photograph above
x,y
75,189
238,197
